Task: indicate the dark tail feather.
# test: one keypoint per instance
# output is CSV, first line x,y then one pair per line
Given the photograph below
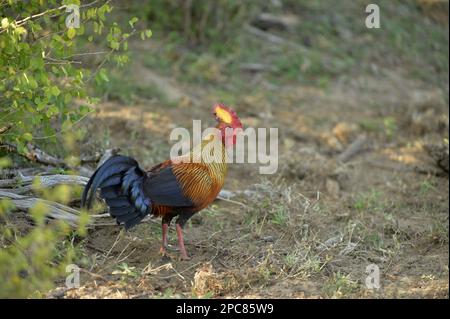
x,y
120,180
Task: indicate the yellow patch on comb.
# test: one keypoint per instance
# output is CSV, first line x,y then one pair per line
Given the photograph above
x,y
224,115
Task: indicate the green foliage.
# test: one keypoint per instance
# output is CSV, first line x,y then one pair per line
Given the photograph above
x,y
199,21
368,201
29,263
43,84
128,91
340,286
280,216
43,94
125,270
33,257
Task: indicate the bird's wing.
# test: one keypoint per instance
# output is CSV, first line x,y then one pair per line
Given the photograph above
x,y
179,185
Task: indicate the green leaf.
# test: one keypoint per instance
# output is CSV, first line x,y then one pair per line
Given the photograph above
x,y
71,33
5,23
20,30
115,45
84,109
103,75
5,162
27,137
67,98
55,91
148,33
133,21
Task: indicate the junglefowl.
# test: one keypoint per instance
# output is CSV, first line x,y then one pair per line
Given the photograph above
x,y
177,187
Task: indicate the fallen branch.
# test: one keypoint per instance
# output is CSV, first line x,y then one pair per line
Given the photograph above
x,y
266,21
5,128
232,201
24,183
269,37
56,210
34,154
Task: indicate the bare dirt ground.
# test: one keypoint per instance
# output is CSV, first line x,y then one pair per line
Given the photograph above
x,y
311,229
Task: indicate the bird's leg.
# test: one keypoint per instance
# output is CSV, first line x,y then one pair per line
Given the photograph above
x,y
162,250
181,243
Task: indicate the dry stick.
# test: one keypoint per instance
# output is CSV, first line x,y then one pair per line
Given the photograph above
x,y
45,181
353,149
123,250
23,21
5,129
38,15
268,20
269,37
126,257
147,270
56,210
180,272
118,238
100,250
197,244
232,201
34,154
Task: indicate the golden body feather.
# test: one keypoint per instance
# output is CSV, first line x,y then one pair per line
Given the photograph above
x,y
200,174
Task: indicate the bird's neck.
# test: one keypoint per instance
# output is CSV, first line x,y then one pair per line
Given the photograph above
x,y
210,151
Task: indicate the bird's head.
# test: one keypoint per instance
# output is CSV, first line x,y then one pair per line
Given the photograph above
x,y
228,123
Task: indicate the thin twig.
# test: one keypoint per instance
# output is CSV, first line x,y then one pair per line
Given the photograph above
x,y
5,128
63,130
108,55
232,201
